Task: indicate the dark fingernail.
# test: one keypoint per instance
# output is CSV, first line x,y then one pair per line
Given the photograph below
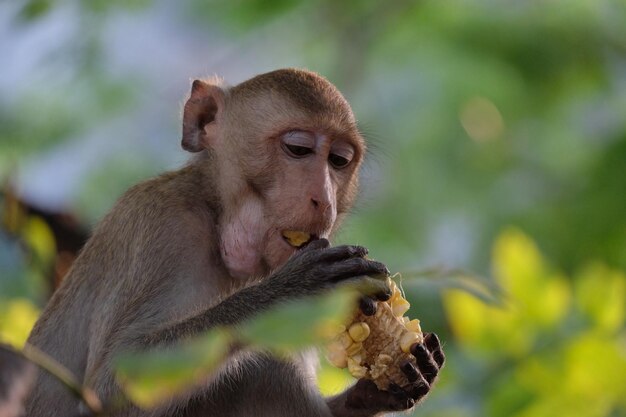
x,y
410,371
432,341
383,296
419,350
368,306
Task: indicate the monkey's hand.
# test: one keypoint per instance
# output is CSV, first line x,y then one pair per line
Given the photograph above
x,y
312,270
318,267
364,399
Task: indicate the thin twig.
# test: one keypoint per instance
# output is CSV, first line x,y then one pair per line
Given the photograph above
x,y
60,372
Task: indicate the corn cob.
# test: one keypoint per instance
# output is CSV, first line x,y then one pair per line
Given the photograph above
x,y
374,347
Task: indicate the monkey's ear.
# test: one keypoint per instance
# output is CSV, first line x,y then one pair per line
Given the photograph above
x,y
202,108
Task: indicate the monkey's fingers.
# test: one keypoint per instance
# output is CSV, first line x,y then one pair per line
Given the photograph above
x,y
431,340
364,395
418,389
372,288
410,370
316,244
340,253
358,268
426,364
367,305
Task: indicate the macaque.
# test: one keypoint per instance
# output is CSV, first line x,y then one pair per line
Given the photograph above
x,y
208,245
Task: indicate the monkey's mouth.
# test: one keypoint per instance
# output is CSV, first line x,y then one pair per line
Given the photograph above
x,y
297,238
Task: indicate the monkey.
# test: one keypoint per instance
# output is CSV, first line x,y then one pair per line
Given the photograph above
x,y
206,245
16,379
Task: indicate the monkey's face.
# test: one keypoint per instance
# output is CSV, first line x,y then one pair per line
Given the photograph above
x,y
314,173
286,152
294,187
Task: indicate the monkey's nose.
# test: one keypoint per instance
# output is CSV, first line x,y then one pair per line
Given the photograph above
x,y
320,204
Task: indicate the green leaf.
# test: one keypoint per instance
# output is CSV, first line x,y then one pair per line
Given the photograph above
x,y
152,377
298,324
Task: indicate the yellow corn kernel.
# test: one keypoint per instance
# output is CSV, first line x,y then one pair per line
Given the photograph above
x,y
359,331
296,238
354,349
395,291
408,339
345,340
355,369
414,326
358,358
400,306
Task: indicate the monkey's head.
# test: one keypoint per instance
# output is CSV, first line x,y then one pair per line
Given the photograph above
x,y
284,153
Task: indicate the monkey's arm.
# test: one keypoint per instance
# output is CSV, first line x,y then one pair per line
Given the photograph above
x,y
311,271
364,399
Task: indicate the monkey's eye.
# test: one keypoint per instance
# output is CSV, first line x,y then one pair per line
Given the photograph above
x,y
298,151
298,144
338,161
341,154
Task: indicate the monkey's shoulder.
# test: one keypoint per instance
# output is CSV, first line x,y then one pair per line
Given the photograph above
x,y
172,203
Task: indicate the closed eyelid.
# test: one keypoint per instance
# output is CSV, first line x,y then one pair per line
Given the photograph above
x,y
299,138
344,150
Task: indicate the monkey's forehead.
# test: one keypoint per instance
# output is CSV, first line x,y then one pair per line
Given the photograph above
x,y
304,89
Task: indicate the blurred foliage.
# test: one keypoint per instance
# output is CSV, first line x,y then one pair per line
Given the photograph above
x,y
555,347
151,378
479,115
17,317
27,255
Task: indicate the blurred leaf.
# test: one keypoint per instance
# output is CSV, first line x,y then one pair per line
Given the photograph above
x,y
301,323
17,318
444,278
585,378
596,369
153,377
34,9
332,380
601,294
519,268
39,238
534,300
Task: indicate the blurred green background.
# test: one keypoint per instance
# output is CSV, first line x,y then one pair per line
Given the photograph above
x,y
497,132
